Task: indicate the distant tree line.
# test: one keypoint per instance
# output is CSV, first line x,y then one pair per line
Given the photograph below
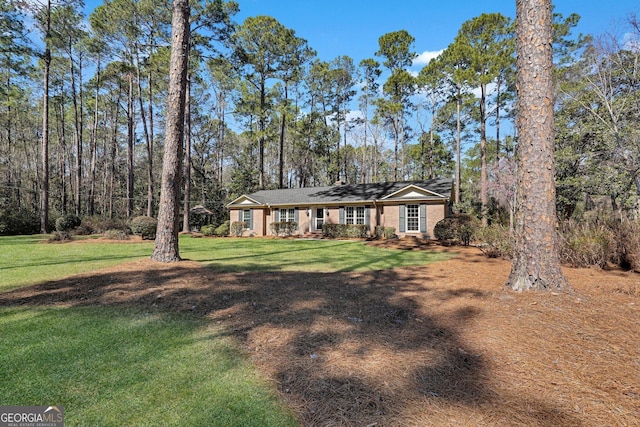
x,y
83,108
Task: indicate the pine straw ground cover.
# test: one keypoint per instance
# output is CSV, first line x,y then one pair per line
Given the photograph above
x,y
439,345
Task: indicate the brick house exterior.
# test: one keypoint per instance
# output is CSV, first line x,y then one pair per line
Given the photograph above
x,y
410,207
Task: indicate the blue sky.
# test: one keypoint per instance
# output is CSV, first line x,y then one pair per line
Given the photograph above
x,y
352,27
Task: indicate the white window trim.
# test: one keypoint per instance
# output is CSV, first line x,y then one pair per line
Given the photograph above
x,y
287,215
246,213
417,218
357,217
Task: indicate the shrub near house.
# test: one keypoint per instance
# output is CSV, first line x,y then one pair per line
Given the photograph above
x,y
285,228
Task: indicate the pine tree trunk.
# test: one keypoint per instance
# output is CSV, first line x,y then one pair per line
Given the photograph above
x,y
498,84
130,148
186,210
458,144
44,198
77,136
94,144
283,125
484,192
536,263
166,243
147,136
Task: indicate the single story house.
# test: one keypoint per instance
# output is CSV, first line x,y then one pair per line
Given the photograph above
x,y
411,207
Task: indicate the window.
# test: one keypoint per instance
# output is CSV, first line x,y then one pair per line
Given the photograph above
x,y
348,213
287,215
246,218
360,215
413,218
354,215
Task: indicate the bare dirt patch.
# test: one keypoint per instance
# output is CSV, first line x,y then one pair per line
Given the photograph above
x,y
444,344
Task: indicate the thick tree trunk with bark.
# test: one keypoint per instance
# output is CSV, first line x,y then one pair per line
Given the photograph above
x,y
536,263
166,244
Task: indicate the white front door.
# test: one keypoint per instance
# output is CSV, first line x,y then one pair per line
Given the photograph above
x,y
318,218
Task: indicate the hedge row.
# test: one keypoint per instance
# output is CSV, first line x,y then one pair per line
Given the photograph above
x,y
333,231
283,228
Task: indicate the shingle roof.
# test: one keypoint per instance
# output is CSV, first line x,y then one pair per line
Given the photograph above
x,y
346,192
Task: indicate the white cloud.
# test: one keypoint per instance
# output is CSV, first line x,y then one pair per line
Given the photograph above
x,y
355,114
631,42
426,56
491,88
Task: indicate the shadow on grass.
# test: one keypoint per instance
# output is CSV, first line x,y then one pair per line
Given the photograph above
x,y
112,366
58,261
343,348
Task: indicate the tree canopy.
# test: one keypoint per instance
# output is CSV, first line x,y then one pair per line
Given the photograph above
x,y
265,111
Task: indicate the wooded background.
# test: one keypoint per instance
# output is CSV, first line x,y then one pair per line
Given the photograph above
x,y
83,101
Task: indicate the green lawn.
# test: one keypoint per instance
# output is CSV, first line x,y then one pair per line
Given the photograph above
x,y
255,254
26,260
112,366
115,367
29,259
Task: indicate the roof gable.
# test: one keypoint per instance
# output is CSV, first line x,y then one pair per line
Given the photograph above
x,y
245,200
414,192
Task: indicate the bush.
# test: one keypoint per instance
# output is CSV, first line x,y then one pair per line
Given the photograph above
x,y
381,232
222,229
83,230
208,230
116,235
144,226
237,228
444,230
586,245
331,231
627,237
100,225
14,221
457,229
67,222
60,236
389,232
497,241
343,231
358,231
285,228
